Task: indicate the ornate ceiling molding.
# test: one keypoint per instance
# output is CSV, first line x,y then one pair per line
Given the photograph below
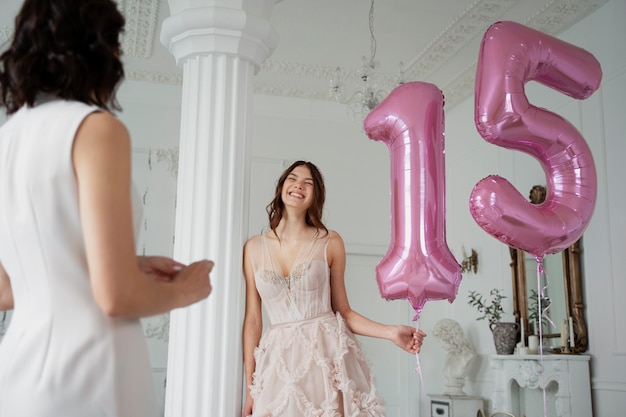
x,y
469,25
555,17
293,79
142,25
142,19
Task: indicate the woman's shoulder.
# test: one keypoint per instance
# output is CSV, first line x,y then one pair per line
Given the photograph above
x,y
103,131
253,240
103,120
334,239
333,234
256,240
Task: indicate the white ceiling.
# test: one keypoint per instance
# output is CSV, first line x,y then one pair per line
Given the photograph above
x,y
437,40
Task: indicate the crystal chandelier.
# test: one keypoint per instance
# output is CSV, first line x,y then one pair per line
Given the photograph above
x,y
368,93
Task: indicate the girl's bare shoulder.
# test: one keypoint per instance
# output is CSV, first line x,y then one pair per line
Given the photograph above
x,y
335,241
334,235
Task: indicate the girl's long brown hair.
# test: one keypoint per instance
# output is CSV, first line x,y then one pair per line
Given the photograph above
x,y
276,208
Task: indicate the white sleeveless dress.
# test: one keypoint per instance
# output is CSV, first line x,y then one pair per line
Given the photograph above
x,y
61,356
308,363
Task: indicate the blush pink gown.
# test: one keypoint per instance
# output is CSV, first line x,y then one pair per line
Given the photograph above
x,y
308,363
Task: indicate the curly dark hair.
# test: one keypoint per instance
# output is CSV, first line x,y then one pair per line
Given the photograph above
x,y
314,213
66,48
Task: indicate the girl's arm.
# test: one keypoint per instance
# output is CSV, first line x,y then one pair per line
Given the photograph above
x,y
405,337
6,293
101,158
252,323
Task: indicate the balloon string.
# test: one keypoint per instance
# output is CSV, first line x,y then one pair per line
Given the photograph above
x,y
541,297
418,369
540,271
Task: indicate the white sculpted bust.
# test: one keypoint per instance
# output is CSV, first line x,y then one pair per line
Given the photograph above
x,y
460,354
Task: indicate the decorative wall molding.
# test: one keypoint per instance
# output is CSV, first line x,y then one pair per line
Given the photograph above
x,y
156,77
606,385
5,318
142,18
358,249
170,157
158,328
5,34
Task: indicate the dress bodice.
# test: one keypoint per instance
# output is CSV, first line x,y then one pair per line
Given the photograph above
x,y
305,292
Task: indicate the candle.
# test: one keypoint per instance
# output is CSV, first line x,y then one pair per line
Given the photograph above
x,y
533,344
564,333
571,332
522,330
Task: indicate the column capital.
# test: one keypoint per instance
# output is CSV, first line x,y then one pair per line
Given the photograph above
x,y
238,28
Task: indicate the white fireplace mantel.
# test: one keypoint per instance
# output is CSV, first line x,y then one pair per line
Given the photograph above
x,y
570,372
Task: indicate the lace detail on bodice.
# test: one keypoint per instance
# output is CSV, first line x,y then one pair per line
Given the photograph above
x,y
302,294
286,283
277,279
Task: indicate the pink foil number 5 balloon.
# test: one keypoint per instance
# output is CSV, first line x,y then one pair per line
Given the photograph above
x,y
418,265
511,55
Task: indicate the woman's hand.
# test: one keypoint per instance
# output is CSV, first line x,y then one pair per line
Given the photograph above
x,y
408,338
247,407
193,281
161,268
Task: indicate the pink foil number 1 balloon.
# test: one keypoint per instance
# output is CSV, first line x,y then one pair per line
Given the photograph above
x,y
511,55
418,265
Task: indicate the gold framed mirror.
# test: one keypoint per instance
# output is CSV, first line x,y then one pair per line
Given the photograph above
x,y
563,286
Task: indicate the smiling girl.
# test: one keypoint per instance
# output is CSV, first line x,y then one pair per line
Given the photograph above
x,y
309,361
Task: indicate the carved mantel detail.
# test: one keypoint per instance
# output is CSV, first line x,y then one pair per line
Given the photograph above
x,y
569,372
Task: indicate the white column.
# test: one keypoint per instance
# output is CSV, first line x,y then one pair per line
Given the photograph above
x,y
219,44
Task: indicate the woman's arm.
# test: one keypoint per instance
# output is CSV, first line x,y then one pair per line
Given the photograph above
x,y
252,323
405,337
6,293
101,157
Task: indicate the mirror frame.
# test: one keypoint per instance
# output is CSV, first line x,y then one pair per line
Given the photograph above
x,y
574,305
572,280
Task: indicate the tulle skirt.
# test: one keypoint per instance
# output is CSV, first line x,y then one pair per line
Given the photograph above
x,y
313,367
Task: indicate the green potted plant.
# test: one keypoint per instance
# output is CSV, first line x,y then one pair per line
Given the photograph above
x,y
504,333
533,310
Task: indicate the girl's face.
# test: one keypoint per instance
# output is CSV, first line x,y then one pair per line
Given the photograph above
x,y
298,190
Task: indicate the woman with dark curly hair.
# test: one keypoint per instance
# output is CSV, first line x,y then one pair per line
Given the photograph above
x,y
68,268
308,362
